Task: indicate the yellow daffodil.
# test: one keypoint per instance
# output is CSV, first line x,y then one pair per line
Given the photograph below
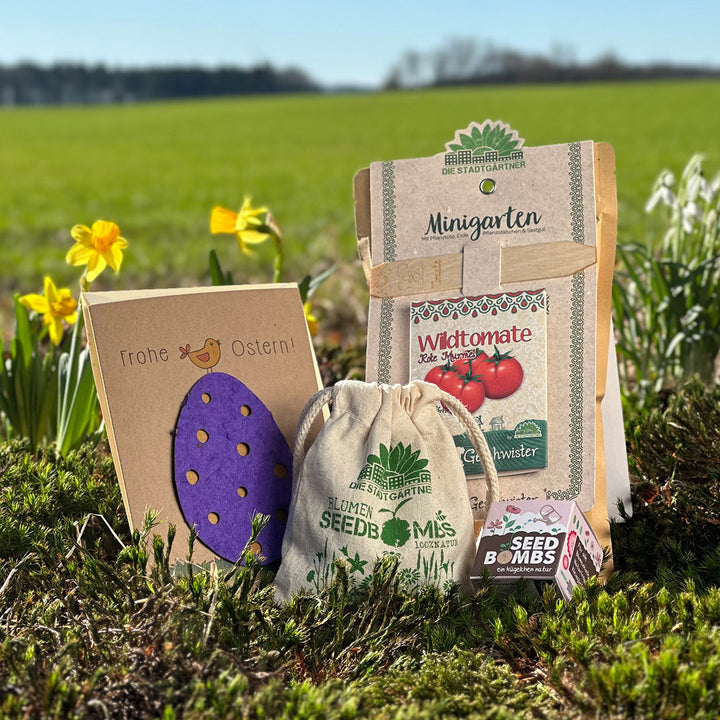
x,y
311,319
55,306
97,247
250,225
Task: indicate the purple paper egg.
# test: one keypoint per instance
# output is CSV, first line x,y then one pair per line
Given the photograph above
x,y
230,462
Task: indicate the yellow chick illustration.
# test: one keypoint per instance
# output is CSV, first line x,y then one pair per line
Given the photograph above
x,y
206,358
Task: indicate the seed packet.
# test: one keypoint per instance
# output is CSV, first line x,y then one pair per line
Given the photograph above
x,y
492,217
490,352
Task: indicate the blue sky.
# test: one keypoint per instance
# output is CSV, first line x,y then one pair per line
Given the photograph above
x,y
336,42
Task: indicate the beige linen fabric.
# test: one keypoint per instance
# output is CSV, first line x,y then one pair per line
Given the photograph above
x,y
383,477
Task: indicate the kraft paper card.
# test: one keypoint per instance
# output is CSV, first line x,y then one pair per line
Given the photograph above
x,y
201,390
492,218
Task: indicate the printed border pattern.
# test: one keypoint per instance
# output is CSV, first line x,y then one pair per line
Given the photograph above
x,y
532,300
577,327
385,340
577,209
388,211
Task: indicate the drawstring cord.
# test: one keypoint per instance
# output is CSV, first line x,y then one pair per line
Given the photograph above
x,y
461,413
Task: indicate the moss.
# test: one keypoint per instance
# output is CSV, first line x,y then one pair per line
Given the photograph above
x,y
675,459
94,624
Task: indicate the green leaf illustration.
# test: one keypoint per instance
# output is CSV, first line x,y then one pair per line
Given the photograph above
x,y
409,460
404,502
394,457
384,456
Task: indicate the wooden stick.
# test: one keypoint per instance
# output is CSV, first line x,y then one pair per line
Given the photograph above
x,y
443,273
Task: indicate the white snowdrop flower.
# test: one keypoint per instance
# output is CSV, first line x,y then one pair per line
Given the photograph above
x,y
693,187
652,202
690,213
706,191
667,178
711,220
663,193
687,222
714,187
668,197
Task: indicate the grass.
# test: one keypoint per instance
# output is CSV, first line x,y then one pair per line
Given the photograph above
x,y
158,168
90,628
94,624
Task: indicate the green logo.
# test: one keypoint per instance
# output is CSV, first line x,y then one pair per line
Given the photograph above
x,y
395,532
527,429
494,143
394,474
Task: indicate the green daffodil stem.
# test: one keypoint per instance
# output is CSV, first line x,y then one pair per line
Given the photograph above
x,y
278,267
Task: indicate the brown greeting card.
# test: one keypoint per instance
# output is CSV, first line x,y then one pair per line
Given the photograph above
x,y
201,390
452,245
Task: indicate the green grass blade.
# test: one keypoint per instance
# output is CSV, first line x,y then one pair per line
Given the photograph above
x,y
23,335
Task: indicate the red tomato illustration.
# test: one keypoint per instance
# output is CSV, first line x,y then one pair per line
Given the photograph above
x,y
479,362
472,395
452,383
436,374
501,374
463,366
466,388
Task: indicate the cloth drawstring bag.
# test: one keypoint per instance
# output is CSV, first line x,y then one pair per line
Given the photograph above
x,y
382,477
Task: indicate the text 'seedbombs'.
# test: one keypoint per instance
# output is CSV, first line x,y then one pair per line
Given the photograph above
x,y
539,541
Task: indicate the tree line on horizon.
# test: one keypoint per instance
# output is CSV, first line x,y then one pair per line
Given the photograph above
x,y
70,83
466,61
458,62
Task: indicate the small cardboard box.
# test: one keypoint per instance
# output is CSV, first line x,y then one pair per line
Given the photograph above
x,y
539,540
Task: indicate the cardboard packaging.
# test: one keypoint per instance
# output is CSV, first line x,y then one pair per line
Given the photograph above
x,y
485,223
201,390
538,541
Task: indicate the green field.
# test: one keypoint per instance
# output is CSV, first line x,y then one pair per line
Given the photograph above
x,y
157,169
